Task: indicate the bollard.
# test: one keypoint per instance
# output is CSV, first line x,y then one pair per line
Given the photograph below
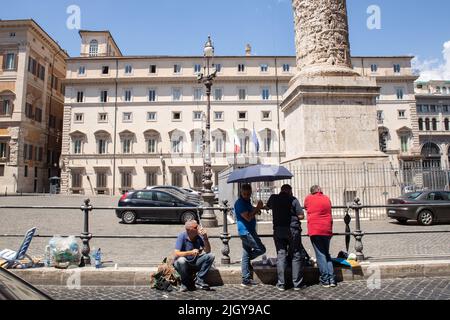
x,y
225,236
85,235
358,234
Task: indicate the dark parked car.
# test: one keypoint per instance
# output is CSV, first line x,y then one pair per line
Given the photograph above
x,y
182,192
156,198
14,288
421,207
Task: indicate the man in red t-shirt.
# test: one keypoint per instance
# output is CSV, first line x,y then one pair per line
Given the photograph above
x,y
320,231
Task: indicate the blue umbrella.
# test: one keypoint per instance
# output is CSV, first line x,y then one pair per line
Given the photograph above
x,y
259,173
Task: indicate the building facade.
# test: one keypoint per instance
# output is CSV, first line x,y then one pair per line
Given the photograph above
x,y
133,121
32,68
433,123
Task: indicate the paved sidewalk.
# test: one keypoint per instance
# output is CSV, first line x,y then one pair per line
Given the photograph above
x,y
393,289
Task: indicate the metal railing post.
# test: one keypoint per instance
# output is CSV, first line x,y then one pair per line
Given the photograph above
x,y
85,235
225,236
358,234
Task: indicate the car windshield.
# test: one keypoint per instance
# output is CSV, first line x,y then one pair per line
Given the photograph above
x,y
412,195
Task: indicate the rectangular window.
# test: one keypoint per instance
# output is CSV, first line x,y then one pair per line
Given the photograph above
x,y
151,116
77,180
6,108
41,74
404,140
264,67
2,171
10,61
267,143
374,68
177,179
30,152
286,67
80,96
25,171
3,150
445,109
82,70
198,115
198,94
218,116
266,115
218,67
102,117
399,93
176,116
25,152
126,146
380,116
38,115
242,94
218,94
152,179
402,114
29,111
218,144
397,68
77,146
127,117
176,94
197,68
128,69
104,96
151,146
242,115
177,68
177,146
79,117
241,67
102,180
152,69
433,108
265,94
102,146
127,95
127,180
152,95
105,70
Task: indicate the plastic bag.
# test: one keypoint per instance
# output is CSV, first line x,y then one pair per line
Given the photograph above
x,y
65,252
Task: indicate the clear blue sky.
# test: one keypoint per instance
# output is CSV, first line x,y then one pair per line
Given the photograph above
x,y
180,27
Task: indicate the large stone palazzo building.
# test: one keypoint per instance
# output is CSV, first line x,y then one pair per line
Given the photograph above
x,y
32,67
132,121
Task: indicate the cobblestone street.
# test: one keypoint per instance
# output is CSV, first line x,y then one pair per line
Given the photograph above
x,y
139,252
393,289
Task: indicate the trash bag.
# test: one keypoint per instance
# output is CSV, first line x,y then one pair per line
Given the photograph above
x,y
64,252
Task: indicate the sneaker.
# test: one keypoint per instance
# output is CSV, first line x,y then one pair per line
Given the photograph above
x,y
202,286
326,285
249,283
183,288
333,284
280,287
302,287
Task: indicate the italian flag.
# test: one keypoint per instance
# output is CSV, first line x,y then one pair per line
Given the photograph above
x,y
237,141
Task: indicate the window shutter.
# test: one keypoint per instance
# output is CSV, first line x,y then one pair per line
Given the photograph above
x,y
16,61
3,62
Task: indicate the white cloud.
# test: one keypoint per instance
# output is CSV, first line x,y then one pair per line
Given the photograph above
x,y
434,69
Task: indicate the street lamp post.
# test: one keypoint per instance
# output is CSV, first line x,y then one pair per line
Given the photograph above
x,y
208,218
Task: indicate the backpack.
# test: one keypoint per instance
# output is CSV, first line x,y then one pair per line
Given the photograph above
x,y
166,278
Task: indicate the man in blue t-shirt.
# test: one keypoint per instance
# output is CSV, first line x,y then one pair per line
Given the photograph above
x,y
246,223
193,255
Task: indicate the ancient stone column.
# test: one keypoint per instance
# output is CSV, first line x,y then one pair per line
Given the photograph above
x,y
322,38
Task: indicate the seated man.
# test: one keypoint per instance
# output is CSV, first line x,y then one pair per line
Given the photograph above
x,y
193,255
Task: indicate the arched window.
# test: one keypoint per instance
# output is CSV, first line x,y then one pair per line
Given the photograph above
x,y
447,124
431,154
93,48
434,122
427,124
421,124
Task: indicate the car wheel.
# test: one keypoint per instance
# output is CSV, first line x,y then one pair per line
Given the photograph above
x,y
402,221
188,216
425,218
129,217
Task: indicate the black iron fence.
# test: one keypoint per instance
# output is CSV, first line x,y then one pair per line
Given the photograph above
x,y
351,210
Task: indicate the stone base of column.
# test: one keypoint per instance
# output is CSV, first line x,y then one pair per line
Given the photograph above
x,y
209,218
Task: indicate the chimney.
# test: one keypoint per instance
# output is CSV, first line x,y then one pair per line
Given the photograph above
x,y
248,50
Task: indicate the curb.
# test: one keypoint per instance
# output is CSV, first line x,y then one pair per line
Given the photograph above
x,y
231,275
